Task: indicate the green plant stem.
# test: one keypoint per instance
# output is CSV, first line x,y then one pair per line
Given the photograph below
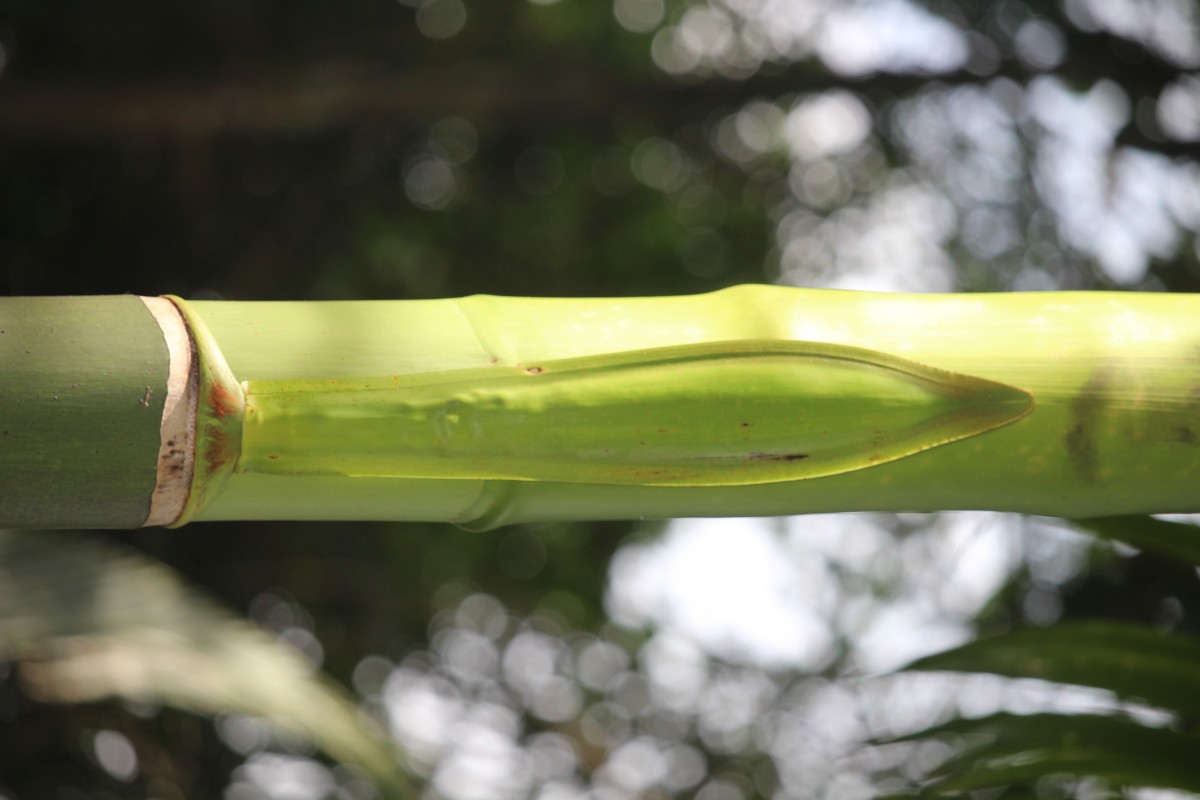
x,y
1115,382
82,386
1071,404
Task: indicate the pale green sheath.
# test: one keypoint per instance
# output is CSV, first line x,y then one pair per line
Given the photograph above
x,y
709,414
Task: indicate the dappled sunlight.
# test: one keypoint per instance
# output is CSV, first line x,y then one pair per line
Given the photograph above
x,y
733,636
728,583
976,146
1166,26
890,36
736,37
742,592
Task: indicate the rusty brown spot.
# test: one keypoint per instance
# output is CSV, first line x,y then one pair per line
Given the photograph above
x,y
221,401
273,457
534,370
218,453
662,430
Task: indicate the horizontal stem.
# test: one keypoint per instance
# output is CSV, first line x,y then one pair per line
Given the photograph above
x,y
1114,381
756,400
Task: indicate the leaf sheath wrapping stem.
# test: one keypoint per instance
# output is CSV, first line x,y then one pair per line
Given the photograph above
x,y
710,414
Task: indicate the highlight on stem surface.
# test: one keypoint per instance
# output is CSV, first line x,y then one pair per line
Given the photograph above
x,y
710,414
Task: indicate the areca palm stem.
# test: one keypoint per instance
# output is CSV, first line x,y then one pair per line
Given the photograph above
x,y
484,411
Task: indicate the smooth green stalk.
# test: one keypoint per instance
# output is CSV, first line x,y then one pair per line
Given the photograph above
x,y
1082,404
82,386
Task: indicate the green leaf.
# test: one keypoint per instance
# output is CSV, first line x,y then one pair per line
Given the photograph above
x,y
1006,749
1176,540
86,620
1134,662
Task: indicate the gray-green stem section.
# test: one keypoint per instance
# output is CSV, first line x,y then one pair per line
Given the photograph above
x,y
82,387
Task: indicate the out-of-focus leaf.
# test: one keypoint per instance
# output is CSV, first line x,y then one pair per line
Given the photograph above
x,y
1006,749
1171,539
87,620
1135,662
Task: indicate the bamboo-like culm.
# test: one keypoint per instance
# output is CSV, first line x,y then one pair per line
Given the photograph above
x,y
482,411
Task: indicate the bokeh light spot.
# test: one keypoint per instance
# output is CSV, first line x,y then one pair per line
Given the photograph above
x,y
441,19
826,124
430,183
1040,45
639,16
115,754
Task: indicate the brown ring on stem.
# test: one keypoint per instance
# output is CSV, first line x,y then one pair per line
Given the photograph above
x,y
177,442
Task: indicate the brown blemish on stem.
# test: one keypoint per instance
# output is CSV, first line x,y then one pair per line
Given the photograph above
x,y
222,446
219,453
1079,441
176,429
221,401
1185,435
778,456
